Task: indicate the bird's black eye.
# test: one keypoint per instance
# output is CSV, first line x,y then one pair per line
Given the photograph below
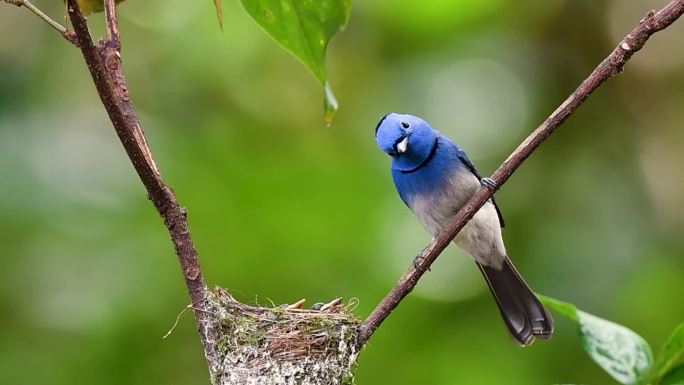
x,y
405,124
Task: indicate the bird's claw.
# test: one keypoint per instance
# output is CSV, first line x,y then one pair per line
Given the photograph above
x,y
489,183
416,264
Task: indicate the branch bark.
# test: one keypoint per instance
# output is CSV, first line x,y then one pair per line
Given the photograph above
x,y
610,66
112,24
104,64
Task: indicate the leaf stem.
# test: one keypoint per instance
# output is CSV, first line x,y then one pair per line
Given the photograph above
x,y
39,13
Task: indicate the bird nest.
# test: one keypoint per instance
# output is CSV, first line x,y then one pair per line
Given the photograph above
x,y
283,344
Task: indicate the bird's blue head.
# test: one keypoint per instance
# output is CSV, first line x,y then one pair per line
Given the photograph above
x,y
408,139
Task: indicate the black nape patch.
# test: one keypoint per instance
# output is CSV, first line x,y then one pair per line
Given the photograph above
x,y
379,123
427,160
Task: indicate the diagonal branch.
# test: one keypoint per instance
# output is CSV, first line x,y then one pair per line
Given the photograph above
x,y
610,66
104,63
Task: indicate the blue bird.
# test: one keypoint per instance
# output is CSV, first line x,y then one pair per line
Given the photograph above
x,y
435,178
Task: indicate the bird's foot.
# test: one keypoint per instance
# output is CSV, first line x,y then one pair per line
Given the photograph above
x,y
489,183
416,264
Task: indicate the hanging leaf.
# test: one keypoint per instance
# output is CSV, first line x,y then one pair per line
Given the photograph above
x,y
674,377
304,27
92,6
219,12
618,350
669,353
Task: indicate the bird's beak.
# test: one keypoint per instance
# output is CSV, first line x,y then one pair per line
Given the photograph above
x,y
401,146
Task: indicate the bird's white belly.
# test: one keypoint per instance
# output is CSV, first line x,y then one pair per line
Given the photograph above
x,y
481,237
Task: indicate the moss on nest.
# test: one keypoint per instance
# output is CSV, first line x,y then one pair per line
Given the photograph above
x,y
281,345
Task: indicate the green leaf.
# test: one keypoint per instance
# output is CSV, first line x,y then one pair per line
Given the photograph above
x,y
219,12
674,377
304,27
669,353
618,350
92,6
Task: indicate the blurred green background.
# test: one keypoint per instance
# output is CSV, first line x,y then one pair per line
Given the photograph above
x,y
282,208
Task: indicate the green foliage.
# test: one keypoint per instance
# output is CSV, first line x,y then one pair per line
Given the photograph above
x,y
669,354
304,27
92,6
622,353
674,377
618,350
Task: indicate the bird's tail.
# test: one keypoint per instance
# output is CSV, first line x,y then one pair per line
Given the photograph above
x,y
525,317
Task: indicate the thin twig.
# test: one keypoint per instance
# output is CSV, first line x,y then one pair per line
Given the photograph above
x,y
612,65
178,317
62,31
104,64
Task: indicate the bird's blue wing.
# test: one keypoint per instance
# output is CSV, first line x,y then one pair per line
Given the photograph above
x,y
466,161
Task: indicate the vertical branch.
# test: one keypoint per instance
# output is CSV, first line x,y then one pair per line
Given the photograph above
x,y
104,64
112,24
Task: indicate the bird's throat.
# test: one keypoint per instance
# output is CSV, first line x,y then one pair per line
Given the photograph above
x,y
409,164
